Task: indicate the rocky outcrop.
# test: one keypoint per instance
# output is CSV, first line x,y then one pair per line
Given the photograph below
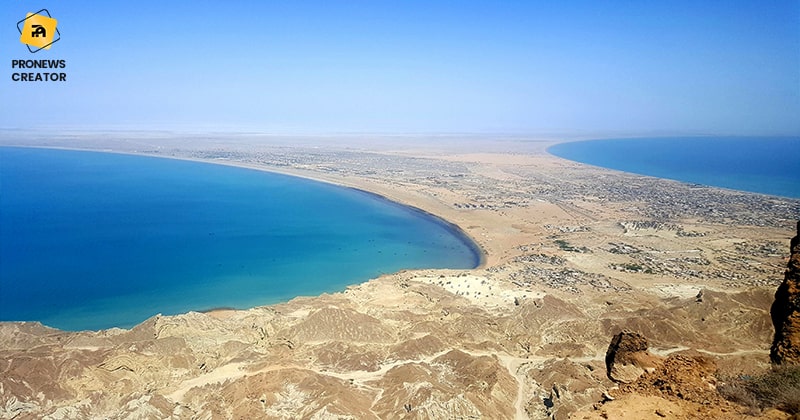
x,y
627,357
689,376
684,386
786,311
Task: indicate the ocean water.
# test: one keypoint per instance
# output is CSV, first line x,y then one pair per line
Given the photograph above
x,y
767,165
94,240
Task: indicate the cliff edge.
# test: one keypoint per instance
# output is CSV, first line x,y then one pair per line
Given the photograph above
x,y
785,311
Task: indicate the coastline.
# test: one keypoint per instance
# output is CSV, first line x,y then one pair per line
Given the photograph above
x,y
432,206
474,256
471,242
695,172
574,254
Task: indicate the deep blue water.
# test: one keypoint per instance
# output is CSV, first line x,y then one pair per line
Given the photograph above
x,y
94,240
768,165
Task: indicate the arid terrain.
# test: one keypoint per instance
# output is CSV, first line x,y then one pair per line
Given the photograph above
x,y
574,255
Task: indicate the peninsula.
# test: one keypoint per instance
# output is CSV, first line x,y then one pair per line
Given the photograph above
x,y
574,255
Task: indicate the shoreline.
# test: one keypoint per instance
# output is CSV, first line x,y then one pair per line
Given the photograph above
x,y
480,253
574,255
702,179
494,249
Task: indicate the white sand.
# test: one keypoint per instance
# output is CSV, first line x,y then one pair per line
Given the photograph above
x,y
481,290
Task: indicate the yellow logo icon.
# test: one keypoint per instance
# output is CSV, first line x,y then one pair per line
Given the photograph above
x,y
38,31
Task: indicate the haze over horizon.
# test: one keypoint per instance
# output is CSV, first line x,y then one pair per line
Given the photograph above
x,y
575,67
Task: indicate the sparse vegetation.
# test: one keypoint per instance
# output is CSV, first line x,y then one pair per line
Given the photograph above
x,y
779,388
566,246
689,233
630,268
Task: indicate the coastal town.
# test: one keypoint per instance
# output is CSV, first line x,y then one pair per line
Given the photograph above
x,y
590,201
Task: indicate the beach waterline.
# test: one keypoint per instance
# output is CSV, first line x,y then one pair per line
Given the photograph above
x,y
766,165
109,240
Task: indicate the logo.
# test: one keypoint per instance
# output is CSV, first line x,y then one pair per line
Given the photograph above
x,y
38,31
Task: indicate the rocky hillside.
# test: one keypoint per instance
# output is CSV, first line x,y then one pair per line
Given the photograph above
x,y
397,347
786,311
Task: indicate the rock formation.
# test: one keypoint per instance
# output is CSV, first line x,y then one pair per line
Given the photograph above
x,y
627,357
786,311
683,386
688,376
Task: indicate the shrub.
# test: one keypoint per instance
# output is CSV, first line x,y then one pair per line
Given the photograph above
x,y
779,388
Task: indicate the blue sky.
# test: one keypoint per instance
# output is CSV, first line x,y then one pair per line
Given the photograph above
x,y
571,67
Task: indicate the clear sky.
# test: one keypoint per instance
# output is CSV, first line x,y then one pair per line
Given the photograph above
x,y
639,67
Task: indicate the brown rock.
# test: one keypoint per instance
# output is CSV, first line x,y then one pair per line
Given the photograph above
x,y
627,357
785,311
687,376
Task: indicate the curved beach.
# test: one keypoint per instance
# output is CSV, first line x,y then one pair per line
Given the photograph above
x,y
249,238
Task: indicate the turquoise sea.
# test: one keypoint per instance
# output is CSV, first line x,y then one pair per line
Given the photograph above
x,y
95,240
767,165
